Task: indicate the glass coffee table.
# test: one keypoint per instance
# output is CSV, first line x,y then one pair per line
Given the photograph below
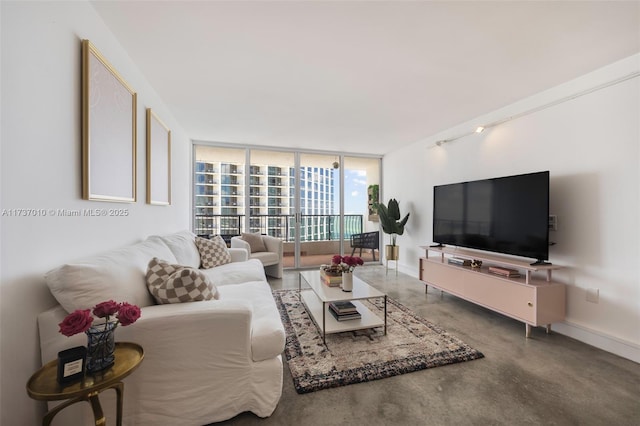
x,y
318,297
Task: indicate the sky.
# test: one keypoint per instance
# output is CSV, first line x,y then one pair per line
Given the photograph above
x,y
355,192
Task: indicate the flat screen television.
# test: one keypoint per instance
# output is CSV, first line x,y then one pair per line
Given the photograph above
x,y
507,215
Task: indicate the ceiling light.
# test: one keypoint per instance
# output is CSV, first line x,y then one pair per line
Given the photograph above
x,y
479,129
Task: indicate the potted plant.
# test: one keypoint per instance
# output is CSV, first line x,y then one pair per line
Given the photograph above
x,y
392,225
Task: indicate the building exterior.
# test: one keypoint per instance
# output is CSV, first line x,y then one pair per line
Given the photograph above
x,y
220,200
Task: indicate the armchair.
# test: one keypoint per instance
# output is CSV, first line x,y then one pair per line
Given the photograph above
x,y
265,248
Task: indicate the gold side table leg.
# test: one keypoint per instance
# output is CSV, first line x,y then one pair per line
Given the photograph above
x,y
98,414
119,388
48,418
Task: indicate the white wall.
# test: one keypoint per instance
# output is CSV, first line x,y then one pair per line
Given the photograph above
x,y
41,166
590,146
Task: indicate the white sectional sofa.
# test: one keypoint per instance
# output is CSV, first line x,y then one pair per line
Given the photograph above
x,y
204,361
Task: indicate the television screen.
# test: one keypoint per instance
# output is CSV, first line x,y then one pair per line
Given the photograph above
x,y
506,215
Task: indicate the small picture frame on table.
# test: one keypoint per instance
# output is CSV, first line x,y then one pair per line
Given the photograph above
x,y
71,363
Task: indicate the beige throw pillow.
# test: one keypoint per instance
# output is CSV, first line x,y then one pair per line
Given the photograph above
x,y
213,252
178,284
255,242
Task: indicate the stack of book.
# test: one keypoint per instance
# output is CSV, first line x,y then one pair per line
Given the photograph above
x,y
344,311
505,272
330,279
459,261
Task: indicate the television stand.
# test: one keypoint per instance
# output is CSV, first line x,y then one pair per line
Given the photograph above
x,y
540,262
533,300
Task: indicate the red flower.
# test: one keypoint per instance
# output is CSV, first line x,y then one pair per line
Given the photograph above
x,y
76,322
81,319
106,309
336,259
128,314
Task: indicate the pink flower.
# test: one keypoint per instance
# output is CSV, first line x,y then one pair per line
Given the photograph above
x,y
353,261
106,309
346,263
76,322
128,314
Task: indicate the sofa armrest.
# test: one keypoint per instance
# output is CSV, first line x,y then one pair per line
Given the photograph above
x,y
203,330
165,332
239,254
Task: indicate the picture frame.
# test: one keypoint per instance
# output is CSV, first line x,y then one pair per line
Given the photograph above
x,y
158,161
108,131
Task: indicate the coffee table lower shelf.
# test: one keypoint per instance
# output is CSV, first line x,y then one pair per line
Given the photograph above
x,y
326,322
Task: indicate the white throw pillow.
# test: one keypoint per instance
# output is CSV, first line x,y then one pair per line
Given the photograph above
x,y
113,275
182,245
178,284
213,252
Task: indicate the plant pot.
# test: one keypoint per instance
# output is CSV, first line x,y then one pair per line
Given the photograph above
x,y
391,252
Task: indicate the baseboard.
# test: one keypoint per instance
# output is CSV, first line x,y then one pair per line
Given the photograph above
x,y
615,345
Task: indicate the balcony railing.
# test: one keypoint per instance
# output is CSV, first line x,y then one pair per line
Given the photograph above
x,y
312,227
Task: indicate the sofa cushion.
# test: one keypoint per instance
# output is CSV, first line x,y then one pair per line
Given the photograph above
x,y
266,257
213,252
255,242
114,275
236,273
182,245
178,284
267,331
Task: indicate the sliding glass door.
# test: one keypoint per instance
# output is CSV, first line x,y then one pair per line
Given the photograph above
x,y
361,189
296,196
319,209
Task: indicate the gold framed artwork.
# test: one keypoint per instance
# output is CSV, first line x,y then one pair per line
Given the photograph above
x,y
158,161
108,131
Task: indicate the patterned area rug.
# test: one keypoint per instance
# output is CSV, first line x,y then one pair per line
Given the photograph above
x,y
412,343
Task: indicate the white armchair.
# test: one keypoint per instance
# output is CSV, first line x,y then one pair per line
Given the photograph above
x,y
265,248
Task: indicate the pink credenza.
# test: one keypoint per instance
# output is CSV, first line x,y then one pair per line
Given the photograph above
x,y
534,300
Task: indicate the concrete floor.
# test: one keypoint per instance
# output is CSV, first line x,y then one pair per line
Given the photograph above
x,y
544,380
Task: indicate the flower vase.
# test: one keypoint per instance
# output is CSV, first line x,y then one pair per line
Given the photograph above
x,y
100,347
347,281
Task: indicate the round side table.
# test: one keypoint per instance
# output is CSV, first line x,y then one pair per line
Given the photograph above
x,y
43,384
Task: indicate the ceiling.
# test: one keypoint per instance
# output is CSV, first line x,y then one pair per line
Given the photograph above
x,y
359,76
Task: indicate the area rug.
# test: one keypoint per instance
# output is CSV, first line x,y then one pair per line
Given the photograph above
x,y
412,343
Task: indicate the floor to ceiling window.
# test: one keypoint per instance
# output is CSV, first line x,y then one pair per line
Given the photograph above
x,y
361,189
219,187
296,196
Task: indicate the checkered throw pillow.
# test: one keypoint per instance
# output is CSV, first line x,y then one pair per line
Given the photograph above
x,y
178,284
213,252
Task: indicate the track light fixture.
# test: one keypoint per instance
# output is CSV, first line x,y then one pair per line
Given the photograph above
x,y
480,129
